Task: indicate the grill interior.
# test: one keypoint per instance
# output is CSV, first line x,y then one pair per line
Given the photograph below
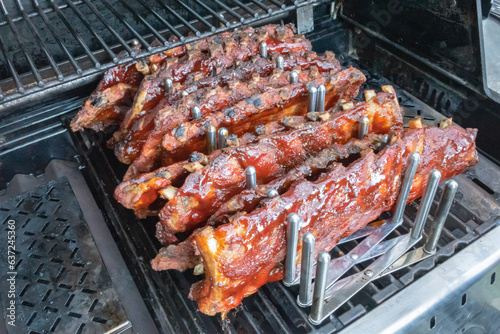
x,y
54,43
273,307
28,143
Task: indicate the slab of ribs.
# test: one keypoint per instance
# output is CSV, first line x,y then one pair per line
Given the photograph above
x,y
311,157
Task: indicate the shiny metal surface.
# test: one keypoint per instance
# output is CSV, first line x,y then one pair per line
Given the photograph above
x,y
406,260
292,236
367,230
305,19
318,301
339,266
450,189
459,296
405,190
294,77
263,49
425,204
272,193
168,85
364,125
306,270
211,139
222,138
430,245
280,63
195,112
339,293
343,290
313,98
251,177
320,103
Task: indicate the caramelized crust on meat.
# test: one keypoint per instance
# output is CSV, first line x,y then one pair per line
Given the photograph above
x,y
139,193
249,199
129,148
114,94
271,105
246,115
205,190
223,51
183,256
109,103
243,255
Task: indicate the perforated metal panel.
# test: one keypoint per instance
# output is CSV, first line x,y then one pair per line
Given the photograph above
x,y
61,284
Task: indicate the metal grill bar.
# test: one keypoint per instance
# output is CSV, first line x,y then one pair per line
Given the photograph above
x,y
261,5
93,34
457,233
40,41
21,45
219,17
106,24
140,18
61,44
229,10
246,8
198,16
88,26
126,24
75,34
180,18
162,20
11,67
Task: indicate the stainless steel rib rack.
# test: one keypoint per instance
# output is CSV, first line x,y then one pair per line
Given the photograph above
x,y
330,292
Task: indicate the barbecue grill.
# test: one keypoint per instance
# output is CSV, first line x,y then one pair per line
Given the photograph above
x,y
82,260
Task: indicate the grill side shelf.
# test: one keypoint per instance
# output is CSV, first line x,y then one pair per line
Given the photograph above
x,y
63,282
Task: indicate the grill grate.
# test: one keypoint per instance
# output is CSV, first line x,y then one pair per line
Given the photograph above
x,y
47,44
273,307
61,282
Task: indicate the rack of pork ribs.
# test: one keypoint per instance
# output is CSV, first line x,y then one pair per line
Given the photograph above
x,y
308,156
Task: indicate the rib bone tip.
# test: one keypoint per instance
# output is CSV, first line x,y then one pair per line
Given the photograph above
x,y
168,192
369,94
388,89
347,106
198,269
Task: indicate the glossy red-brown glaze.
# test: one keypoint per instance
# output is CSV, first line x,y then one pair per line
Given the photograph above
x,y
243,255
106,105
114,94
256,110
112,111
139,193
213,110
249,199
128,149
183,256
206,190
222,53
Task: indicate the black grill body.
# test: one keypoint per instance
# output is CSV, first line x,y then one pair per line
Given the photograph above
x,y
435,76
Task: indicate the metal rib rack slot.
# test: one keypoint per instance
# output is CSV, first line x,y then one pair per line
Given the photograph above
x,y
65,43
329,292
